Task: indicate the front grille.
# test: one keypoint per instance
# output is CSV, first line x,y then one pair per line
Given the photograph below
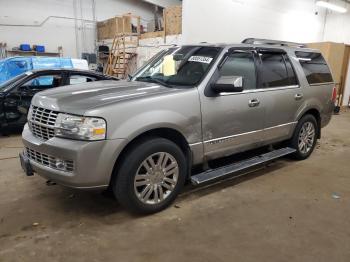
x,y
50,161
42,122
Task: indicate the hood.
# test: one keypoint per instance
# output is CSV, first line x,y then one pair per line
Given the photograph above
x,y
77,99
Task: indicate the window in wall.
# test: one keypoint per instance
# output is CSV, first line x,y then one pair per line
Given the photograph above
x,y
315,67
241,64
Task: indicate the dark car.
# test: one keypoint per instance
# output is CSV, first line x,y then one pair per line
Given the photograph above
x,y
16,94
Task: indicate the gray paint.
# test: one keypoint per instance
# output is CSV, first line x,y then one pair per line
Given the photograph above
x,y
213,126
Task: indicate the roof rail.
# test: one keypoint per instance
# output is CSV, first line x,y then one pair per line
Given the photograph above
x,y
259,41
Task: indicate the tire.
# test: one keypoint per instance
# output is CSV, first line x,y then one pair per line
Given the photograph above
x,y
132,182
305,137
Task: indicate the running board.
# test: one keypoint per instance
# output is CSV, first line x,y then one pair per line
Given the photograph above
x,y
220,172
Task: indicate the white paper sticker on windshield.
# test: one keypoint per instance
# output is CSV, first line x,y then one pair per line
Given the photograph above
x,y
200,59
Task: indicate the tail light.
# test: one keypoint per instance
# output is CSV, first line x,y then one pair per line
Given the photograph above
x,y
334,95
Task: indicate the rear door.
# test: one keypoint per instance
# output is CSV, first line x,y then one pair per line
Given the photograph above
x,y
281,92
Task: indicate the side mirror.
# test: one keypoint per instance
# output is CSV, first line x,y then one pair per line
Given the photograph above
x,y
228,84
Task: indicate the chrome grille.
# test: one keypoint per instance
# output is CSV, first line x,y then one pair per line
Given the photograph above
x,y
42,122
49,161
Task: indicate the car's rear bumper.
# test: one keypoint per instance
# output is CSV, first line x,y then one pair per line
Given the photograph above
x,y
92,162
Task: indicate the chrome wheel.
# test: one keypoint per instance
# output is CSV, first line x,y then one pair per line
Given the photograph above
x,y
156,178
306,137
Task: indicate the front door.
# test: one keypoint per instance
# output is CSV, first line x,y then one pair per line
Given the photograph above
x,y
233,122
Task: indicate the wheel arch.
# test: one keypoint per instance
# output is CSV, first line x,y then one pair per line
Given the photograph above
x,y
315,113
163,132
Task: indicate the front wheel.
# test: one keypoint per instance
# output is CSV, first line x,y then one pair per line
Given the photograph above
x,y
305,137
151,175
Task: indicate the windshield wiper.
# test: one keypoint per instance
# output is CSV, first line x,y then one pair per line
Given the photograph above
x,y
152,80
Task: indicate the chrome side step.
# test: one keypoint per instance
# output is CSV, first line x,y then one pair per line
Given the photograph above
x,y
220,172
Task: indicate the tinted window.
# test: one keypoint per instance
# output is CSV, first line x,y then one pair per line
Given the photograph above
x,y
274,70
241,64
79,79
292,78
44,82
315,67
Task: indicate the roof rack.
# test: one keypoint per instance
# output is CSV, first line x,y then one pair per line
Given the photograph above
x,y
259,41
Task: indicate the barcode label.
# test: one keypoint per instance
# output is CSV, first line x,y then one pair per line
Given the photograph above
x,y
200,59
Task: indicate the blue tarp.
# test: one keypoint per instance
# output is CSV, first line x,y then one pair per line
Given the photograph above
x,y
13,66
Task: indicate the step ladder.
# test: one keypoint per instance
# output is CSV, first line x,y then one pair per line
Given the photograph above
x,y
123,50
232,169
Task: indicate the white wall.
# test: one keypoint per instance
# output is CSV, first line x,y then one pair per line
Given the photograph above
x,y
337,29
58,31
346,98
234,20
164,3
151,46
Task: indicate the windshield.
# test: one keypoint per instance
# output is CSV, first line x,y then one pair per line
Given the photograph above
x,y
7,84
179,66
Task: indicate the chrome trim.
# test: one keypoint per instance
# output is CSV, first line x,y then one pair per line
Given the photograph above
x,y
48,160
258,90
272,127
221,139
195,144
322,84
42,122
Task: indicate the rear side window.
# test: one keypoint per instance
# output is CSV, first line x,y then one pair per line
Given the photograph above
x,y
315,67
80,79
277,71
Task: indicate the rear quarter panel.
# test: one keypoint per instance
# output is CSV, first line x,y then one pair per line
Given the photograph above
x,y
316,96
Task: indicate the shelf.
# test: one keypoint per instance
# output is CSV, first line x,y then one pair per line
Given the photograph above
x,y
31,53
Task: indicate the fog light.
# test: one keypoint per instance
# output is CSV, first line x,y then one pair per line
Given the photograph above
x,y
61,164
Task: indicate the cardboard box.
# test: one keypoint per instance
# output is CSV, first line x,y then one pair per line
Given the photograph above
x,y
173,20
107,29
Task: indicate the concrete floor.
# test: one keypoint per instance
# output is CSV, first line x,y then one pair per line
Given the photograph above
x,y
285,212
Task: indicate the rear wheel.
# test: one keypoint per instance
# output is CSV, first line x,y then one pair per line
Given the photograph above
x,y
151,175
305,137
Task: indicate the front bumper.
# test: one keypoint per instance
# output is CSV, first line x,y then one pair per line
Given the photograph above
x,y
93,160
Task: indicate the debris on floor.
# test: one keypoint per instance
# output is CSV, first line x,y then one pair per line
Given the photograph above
x,y
335,195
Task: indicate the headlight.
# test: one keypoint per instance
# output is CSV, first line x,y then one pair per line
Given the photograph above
x,y
80,127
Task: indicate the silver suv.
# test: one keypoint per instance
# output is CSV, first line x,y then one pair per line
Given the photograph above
x,y
189,106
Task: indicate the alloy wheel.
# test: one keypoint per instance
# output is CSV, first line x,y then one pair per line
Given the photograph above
x,y
306,137
156,178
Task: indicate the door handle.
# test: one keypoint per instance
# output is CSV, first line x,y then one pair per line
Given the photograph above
x,y
254,102
298,96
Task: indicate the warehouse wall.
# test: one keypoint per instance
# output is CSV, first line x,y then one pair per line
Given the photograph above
x,y
337,27
234,20
337,30
164,3
26,19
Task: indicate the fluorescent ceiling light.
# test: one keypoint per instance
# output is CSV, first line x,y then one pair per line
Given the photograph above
x,y
330,6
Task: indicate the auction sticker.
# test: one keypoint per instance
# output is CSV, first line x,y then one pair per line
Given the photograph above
x,y
200,59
